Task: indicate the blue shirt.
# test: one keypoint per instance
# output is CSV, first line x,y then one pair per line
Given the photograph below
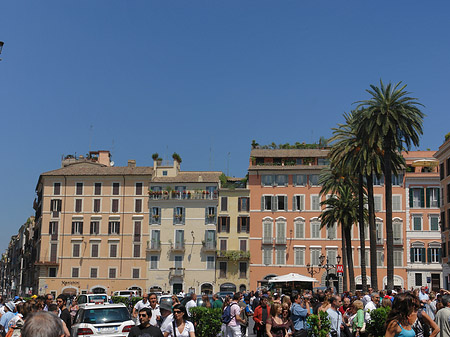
x,y
5,319
298,316
336,320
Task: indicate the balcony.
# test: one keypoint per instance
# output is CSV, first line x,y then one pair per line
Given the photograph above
x,y
185,195
176,272
178,219
233,255
211,219
209,246
177,246
267,240
153,246
155,219
280,241
46,263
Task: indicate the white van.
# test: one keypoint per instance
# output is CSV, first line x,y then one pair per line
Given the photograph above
x,y
125,293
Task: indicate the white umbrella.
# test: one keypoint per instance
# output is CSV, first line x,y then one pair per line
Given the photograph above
x,y
292,277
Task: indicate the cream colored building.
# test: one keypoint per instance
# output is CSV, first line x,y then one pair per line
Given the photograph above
x,y
183,216
91,226
233,227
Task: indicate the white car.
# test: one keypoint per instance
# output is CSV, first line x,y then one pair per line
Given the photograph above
x,y
125,293
106,320
92,298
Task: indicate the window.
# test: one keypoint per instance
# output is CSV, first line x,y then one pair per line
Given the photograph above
x,y
210,239
416,198
223,244
56,188
243,224
242,269
280,256
367,257
243,204
53,252
433,197
417,254
179,238
53,230
243,245
323,161
378,203
441,171
418,279
223,204
138,206
156,239
113,250
178,261
397,180
448,192
315,203
138,188
315,229
115,188
280,232
396,203
95,227
52,272
281,202
137,250
434,222
298,203
315,254
380,258
112,272
78,205
156,192
165,173
154,262
398,258
55,207
314,180
155,216
397,231
75,272
299,256
210,215
299,226
434,255
417,222
267,256
137,231
378,181
178,215
331,255
94,249
224,224
267,231
332,232
79,189
97,205
98,189
222,269
281,180
267,203
77,227
114,227
267,180
94,272
379,229
210,263
115,205
299,179
75,250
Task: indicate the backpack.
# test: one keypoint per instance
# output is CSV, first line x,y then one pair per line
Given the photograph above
x,y
226,316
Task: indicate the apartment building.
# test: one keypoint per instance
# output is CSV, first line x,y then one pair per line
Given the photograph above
x,y
181,250
91,223
443,155
233,228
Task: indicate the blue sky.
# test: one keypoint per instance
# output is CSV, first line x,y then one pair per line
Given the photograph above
x,y
201,78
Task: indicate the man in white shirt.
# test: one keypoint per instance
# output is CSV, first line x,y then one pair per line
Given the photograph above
x,y
335,315
144,303
371,305
423,296
234,326
191,304
154,307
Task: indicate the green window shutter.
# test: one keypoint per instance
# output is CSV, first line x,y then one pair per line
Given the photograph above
x,y
428,198
239,220
422,255
439,197
248,225
274,203
293,203
411,255
286,203
440,254
262,203
428,255
422,197
228,224
410,198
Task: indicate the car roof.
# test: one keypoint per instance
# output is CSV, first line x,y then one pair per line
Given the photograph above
x,y
101,305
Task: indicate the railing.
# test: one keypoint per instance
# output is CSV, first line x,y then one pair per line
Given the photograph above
x,y
267,240
177,246
178,220
211,219
185,195
209,246
176,272
154,245
280,240
155,220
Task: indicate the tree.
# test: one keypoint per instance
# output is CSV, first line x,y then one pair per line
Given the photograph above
x,y
390,121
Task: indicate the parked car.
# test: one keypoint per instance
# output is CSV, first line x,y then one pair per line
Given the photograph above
x,y
167,299
223,294
125,293
106,320
92,298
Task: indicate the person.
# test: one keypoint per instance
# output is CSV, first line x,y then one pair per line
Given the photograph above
x,y
423,324
287,300
299,312
145,329
335,316
261,315
244,322
191,304
43,324
275,327
233,327
175,300
345,305
206,302
64,313
423,296
430,306
180,327
359,320
74,309
217,303
48,300
402,316
166,315
442,318
386,302
144,303
7,316
372,304
54,310
154,307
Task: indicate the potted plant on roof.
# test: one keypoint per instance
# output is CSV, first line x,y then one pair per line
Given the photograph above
x,y
176,157
155,156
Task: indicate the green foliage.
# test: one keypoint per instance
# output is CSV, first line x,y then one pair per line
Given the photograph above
x,y
176,157
376,326
125,300
155,156
322,144
207,321
447,136
319,325
234,255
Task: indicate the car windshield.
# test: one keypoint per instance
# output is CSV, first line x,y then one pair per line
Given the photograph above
x,y
98,298
167,300
106,315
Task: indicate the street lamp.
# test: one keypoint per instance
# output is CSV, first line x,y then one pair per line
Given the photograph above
x,y
328,266
311,270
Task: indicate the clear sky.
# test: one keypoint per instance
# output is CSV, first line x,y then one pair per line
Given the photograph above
x,y
201,78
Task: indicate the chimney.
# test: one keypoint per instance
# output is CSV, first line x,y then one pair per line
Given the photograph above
x,y
131,163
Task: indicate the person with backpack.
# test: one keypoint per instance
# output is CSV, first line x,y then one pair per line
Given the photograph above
x,y
231,317
261,315
423,324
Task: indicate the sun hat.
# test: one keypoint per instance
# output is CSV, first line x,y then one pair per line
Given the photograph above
x,y
10,305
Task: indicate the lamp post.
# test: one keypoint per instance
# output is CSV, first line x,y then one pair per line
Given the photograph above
x,y
328,266
311,270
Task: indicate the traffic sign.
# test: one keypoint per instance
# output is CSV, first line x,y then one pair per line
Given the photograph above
x,y
340,268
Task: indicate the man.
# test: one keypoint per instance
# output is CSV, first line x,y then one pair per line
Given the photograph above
x,y
335,316
244,317
260,316
48,300
145,328
423,296
191,304
166,315
217,303
299,311
7,316
345,306
443,317
53,309
234,326
64,313
371,305
144,303
43,324
154,307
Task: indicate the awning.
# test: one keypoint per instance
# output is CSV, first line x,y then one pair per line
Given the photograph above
x,y
425,163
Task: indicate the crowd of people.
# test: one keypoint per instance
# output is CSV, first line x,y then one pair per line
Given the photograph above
x,y
412,313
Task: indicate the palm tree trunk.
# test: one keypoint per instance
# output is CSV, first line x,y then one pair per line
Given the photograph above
x,y
362,234
345,285
372,234
348,249
389,229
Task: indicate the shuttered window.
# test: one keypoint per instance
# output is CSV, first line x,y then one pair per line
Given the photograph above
x,y
115,205
378,203
416,198
97,188
298,203
299,228
78,205
94,272
281,201
315,229
315,203
112,272
56,188
96,205
138,205
76,250
79,189
113,250
95,227
223,204
299,256
138,188
267,256
396,203
53,252
115,188
137,251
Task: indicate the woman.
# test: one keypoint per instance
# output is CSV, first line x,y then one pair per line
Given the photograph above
x,y
206,302
175,300
326,304
74,309
386,302
276,326
180,327
287,300
402,316
286,318
226,302
425,323
358,320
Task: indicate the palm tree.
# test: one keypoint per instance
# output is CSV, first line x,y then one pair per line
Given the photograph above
x,y
342,208
390,121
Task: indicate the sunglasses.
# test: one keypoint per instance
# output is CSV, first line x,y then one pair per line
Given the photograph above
x,y
177,312
142,315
